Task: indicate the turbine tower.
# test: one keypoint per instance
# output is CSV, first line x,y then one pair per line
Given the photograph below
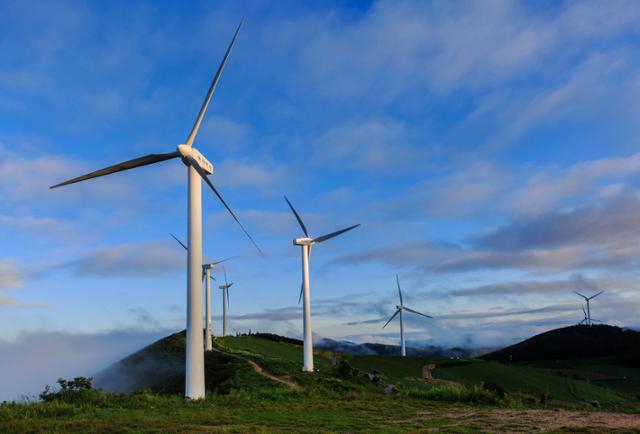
x,y
399,308
207,277
584,321
199,169
306,243
588,299
225,301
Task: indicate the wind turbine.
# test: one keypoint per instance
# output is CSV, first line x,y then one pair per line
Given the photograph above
x,y
306,243
588,299
199,168
584,321
399,308
207,277
225,301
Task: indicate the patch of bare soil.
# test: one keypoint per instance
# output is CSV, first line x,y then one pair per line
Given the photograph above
x,y
535,420
283,380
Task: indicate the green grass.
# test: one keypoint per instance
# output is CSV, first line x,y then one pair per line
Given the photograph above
x,y
240,400
522,380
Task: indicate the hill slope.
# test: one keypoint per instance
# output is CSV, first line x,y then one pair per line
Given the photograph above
x,y
611,344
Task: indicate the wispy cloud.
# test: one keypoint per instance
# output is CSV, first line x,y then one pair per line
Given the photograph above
x,y
146,259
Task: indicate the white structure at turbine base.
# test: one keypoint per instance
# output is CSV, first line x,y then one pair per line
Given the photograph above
x,y
306,243
399,311
199,169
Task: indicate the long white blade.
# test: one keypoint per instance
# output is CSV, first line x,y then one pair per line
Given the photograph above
x,y
126,165
295,213
334,234
399,290
419,313
179,242
206,179
392,317
594,296
576,292
207,99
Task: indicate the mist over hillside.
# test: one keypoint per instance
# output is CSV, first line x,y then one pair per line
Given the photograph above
x,y
413,349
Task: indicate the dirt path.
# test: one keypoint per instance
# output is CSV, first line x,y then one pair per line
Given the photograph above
x,y
260,371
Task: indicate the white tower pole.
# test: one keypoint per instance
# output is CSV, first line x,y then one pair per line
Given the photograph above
x,y
308,342
208,343
225,296
194,367
404,351
588,312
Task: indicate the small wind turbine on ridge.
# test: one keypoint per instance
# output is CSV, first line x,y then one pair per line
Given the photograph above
x,y
225,301
588,299
399,308
207,269
306,243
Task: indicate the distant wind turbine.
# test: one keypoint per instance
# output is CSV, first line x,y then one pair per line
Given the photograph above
x,y
306,243
588,299
401,307
206,275
225,301
584,321
199,168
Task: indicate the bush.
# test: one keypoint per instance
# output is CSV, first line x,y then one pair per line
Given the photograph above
x,y
69,389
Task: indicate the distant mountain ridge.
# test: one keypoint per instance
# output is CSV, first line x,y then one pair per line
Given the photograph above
x,y
373,349
616,345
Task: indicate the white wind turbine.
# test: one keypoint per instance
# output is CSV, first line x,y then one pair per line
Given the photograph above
x,y
225,301
401,307
584,321
207,277
306,243
198,168
588,299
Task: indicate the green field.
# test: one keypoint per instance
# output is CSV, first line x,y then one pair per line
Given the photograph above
x,y
273,395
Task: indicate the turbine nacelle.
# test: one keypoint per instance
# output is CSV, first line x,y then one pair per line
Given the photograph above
x,y
304,241
191,155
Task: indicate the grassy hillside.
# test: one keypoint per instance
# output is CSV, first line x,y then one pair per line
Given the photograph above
x,y
255,384
612,345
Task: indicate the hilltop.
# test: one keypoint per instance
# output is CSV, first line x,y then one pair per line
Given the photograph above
x,y
606,343
255,384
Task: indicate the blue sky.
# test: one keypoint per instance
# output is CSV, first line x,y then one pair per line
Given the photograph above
x,y
489,150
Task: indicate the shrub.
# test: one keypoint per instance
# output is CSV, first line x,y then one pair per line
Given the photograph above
x,y
68,389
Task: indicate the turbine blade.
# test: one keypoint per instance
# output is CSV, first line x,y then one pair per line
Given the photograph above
x,y
206,179
419,313
131,164
576,292
304,228
179,242
334,234
223,260
205,104
399,290
301,291
392,317
230,285
594,296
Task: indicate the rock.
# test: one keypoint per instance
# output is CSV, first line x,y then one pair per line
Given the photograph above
x,y
390,389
